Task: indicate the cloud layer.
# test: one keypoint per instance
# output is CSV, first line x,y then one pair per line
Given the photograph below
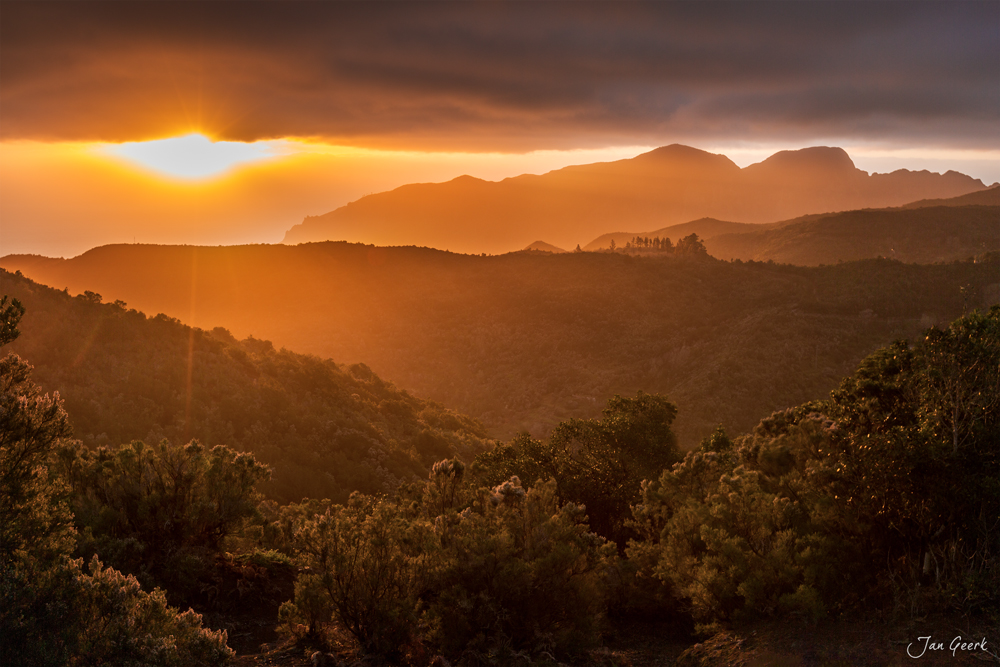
x,y
504,76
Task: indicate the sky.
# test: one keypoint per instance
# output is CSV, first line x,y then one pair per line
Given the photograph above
x,y
331,101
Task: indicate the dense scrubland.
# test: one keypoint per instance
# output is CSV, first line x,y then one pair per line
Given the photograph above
x,y
880,499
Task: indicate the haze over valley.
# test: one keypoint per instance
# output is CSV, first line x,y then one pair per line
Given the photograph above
x,y
499,333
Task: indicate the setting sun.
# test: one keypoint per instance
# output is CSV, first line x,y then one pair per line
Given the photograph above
x,y
191,156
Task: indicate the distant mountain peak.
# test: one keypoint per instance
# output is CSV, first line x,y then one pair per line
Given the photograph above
x,y
677,150
679,153
542,246
815,158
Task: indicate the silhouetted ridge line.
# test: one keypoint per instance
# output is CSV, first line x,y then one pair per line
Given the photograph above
x,y
667,186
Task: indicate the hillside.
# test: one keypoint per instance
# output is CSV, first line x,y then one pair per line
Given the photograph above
x,y
325,429
525,340
542,246
987,197
925,231
921,235
570,206
705,228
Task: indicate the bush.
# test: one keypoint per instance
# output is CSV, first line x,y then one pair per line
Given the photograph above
x,y
364,564
455,569
597,463
160,513
517,571
886,493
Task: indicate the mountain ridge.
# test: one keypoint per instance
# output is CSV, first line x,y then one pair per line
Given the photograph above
x,y
669,185
925,231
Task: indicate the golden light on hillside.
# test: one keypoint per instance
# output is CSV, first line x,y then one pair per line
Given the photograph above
x,y
193,156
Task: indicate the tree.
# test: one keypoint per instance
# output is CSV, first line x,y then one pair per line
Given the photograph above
x,y
160,513
890,487
961,377
598,463
473,572
691,246
10,316
365,563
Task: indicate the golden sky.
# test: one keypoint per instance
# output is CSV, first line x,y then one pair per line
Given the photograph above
x,y
353,98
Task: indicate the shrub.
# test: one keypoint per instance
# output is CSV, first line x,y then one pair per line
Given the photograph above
x,y
888,488
364,563
517,570
160,512
597,463
458,569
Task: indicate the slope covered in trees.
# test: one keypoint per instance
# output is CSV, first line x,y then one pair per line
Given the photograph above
x,y
921,235
927,231
325,429
526,340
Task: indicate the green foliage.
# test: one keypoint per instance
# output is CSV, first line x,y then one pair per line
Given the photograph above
x,y
736,528
885,492
121,624
519,572
10,315
597,463
918,457
161,512
31,424
365,563
458,569
64,616
36,534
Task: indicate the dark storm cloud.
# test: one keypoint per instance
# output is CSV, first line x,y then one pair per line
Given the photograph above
x,y
508,76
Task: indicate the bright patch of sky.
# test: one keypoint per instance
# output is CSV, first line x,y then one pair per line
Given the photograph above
x,y
193,156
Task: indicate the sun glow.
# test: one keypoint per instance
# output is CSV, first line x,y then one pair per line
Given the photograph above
x,y
193,156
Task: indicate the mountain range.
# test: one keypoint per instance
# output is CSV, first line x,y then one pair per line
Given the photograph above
x,y
666,186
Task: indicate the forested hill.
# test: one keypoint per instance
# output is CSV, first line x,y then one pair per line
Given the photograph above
x,y
325,429
526,340
988,197
922,235
927,231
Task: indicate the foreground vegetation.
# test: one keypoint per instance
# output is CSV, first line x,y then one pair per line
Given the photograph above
x,y
882,497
